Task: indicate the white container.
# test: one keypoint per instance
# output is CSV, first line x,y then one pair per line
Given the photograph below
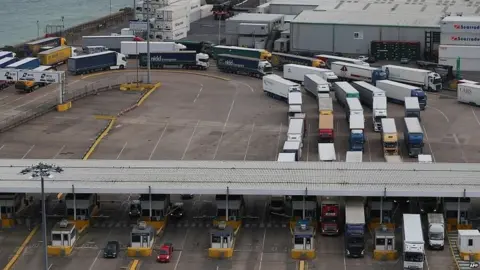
x,y
325,105
354,107
195,15
263,8
156,3
357,72
294,103
413,240
344,90
466,64
399,91
367,92
206,11
469,93
171,13
279,87
451,51
460,24
172,25
130,48
425,159
326,152
126,31
468,241
171,35
195,5
295,129
293,147
426,79
297,72
357,122
315,84
393,159
460,39
354,156
286,157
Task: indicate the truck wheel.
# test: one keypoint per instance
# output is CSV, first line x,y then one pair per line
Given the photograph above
x,y
122,67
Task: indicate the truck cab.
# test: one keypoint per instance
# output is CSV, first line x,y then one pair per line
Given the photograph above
x,y
264,67
389,136
329,216
135,209
436,231
379,112
31,85
434,82
357,126
203,60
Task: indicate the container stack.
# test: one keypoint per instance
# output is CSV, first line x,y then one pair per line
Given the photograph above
x,y
460,42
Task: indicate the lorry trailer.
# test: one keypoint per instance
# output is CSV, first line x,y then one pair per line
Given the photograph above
x,y
325,128
280,59
113,43
296,130
326,153
7,61
355,72
277,87
379,112
241,51
413,136
397,92
354,157
198,46
134,48
330,208
34,47
329,59
355,226
344,90
413,243
315,85
56,56
412,107
293,147
466,93
83,64
389,136
367,92
26,63
353,108
181,59
325,105
31,85
436,231
297,73
426,79
294,103
253,67
4,54
357,136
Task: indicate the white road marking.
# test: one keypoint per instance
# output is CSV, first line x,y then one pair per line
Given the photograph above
x,y
198,95
475,115
1,147
3,105
457,141
248,143
190,140
278,141
308,140
100,251
368,147
246,84
158,141
444,115
58,153
28,151
426,262
180,253
263,247
121,151
344,260
428,142
225,125
49,267
3,98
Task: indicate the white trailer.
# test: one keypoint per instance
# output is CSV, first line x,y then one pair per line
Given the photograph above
x,y
297,73
293,147
393,159
329,59
349,71
413,243
436,231
354,156
428,80
344,90
326,152
425,158
325,105
134,48
379,112
397,92
469,93
294,103
277,87
286,157
367,92
412,107
315,85
354,107
295,129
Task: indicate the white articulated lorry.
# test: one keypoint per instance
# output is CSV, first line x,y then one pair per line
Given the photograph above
x,y
351,72
397,92
379,112
429,81
436,231
277,87
294,103
134,48
413,243
315,85
469,93
297,73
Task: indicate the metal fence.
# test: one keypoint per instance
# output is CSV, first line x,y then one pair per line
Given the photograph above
x,y
71,94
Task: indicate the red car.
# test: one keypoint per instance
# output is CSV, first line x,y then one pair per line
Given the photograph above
x,y
165,254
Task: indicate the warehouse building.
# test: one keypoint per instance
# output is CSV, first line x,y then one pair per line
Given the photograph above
x,y
253,29
353,32
289,7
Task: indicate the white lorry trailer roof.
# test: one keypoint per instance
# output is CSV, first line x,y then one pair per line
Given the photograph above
x,y
411,103
21,62
346,87
354,156
397,84
357,121
291,145
467,81
413,125
294,98
468,93
90,55
326,152
393,159
354,104
376,92
435,218
379,103
286,157
364,67
425,159
388,125
325,104
412,229
279,79
384,68
42,68
316,79
295,126
354,211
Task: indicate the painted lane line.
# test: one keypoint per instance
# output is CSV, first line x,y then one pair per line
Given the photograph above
x,y
190,140
121,151
225,125
277,150
457,142
428,142
444,115
28,151
183,246
199,92
158,141
248,143
475,115
263,247
247,85
59,152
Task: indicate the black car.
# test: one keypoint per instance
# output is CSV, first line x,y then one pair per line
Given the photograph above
x,y
177,211
111,249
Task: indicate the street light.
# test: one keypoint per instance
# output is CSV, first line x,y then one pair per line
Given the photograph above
x,y
43,170
38,28
110,7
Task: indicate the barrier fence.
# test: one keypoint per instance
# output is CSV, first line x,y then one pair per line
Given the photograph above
x,y
49,103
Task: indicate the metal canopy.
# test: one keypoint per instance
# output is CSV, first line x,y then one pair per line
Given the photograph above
x,y
249,178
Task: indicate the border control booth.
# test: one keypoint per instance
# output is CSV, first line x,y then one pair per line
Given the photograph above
x,y
142,239
384,244
221,241
64,236
81,208
230,208
380,212
457,213
155,212
10,204
304,205
303,241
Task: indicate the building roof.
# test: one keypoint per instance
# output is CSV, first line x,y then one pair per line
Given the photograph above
x,y
464,19
255,17
367,18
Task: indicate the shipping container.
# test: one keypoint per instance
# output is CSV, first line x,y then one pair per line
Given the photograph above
x,y
256,42
315,84
88,63
257,29
460,39
55,56
4,54
397,92
329,59
171,35
358,72
113,43
195,15
460,24
451,51
271,20
469,93
171,13
179,23
344,90
326,152
466,64
395,50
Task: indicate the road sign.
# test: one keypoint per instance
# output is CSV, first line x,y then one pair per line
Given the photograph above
x,y
30,75
138,26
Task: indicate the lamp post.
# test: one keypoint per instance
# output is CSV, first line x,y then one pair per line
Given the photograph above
x,y
38,28
110,7
148,41
63,25
43,170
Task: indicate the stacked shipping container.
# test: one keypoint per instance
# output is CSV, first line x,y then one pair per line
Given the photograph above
x,y
460,38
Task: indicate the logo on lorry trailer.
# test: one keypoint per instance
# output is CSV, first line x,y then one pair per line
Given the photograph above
x,y
344,69
460,38
10,75
474,265
466,27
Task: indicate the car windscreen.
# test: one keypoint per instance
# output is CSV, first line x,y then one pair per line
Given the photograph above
x,y
163,252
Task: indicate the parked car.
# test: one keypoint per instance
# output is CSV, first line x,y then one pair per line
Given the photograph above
x,y
363,58
111,249
177,210
165,253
